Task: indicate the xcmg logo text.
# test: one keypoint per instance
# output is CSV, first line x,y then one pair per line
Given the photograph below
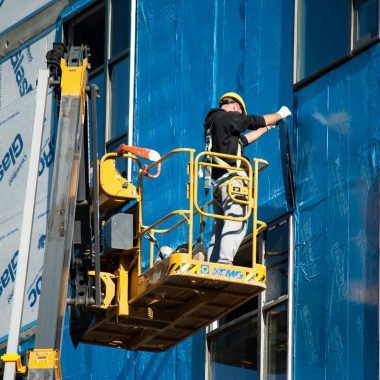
x,y
231,273
221,272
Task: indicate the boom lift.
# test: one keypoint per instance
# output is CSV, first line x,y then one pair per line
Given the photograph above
x,y
154,310
149,310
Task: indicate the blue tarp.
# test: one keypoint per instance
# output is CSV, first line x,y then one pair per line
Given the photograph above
x,y
336,254
187,56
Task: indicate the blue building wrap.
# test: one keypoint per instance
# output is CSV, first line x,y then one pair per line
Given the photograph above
x,y
337,164
188,54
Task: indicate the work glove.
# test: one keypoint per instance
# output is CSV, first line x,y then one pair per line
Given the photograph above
x,y
284,112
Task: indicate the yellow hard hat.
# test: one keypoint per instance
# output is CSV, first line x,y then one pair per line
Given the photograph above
x,y
236,97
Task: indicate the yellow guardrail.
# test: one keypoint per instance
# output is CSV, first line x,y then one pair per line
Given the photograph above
x,y
249,190
247,194
258,225
186,214
113,184
245,179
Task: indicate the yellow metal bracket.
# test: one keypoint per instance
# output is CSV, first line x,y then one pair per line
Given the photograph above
x,y
112,183
107,279
122,290
260,226
15,358
74,78
45,359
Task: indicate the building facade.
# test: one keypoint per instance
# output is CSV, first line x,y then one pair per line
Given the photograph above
x,y
160,66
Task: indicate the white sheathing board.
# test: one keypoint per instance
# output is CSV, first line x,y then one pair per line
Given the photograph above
x,y
18,74
13,11
16,122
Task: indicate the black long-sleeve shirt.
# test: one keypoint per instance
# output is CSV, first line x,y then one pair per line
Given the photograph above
x,y
226,128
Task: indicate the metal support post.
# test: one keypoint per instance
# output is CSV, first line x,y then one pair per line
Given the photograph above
x,y
63,199
27,223
95,191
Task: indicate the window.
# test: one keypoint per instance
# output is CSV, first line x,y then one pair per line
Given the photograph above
x,y
365,26
276,323
275,302
118,68
106,29
325,34
253,341
233,351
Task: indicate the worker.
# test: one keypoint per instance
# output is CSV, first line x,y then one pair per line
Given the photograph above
x,y
223,128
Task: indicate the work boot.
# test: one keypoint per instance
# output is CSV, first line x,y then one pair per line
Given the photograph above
x,y
199,252
225,262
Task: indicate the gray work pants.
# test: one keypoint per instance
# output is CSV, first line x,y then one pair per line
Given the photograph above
x,y
227,235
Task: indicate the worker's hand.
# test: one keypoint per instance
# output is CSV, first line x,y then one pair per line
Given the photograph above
x,y
269,127
284,112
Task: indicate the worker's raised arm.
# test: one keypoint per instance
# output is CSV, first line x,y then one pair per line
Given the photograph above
x,y
270,121
254,135
273,118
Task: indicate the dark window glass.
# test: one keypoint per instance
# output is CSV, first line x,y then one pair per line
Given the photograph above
x,y
365,21
89,29
323,34
276,262
121,13
277,346
120,97
233,352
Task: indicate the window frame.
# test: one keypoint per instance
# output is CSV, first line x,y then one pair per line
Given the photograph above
x,y
266,306
262,310
266,309
362,45
352,50
109,62
215,330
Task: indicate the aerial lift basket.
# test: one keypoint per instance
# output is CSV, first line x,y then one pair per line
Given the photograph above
x,y
174,298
